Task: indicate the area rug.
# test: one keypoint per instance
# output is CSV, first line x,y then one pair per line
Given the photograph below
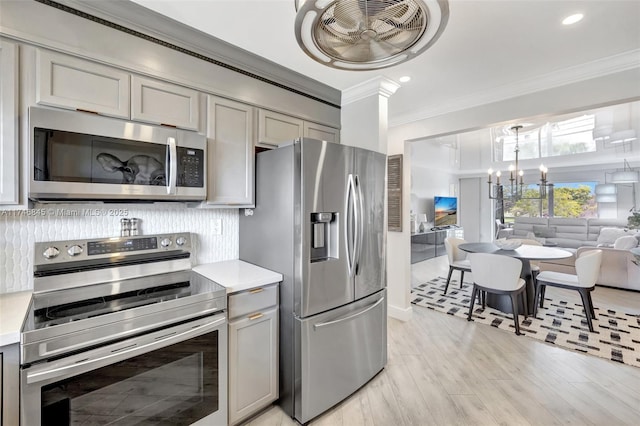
x,y
616,335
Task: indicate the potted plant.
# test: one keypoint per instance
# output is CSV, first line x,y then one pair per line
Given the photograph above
x,y
633,221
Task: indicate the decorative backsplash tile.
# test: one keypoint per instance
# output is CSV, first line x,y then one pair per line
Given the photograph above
x,y
20,229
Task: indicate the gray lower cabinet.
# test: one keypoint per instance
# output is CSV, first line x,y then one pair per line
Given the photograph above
x,y
9,385
253,351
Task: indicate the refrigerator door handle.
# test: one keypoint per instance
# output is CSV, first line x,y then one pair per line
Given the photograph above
x,y
348,229
359,224
350,316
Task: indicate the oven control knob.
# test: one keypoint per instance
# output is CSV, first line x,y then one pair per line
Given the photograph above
x,y
51,252
74,250
181,241
165,242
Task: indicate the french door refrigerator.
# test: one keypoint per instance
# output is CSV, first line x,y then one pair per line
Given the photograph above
x,y
319,221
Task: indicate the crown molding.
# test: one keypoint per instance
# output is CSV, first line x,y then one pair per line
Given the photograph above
x,y
382,86
598,68
163,30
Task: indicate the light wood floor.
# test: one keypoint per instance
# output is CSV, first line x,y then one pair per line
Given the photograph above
x,y
446,371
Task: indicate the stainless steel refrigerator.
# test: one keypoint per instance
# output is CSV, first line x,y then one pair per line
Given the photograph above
x,y
319,221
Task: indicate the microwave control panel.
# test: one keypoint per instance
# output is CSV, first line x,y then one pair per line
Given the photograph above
x,y
190,167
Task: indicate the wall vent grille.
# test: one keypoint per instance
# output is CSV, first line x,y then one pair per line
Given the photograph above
x,y
394,193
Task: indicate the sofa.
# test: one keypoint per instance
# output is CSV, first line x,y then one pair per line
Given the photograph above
x,y
582,234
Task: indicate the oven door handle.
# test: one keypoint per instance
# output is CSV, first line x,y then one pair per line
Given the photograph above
x,y
123,350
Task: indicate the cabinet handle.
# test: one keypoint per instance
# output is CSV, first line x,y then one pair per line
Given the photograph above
x,y
87,110
256,290
255,316
275,145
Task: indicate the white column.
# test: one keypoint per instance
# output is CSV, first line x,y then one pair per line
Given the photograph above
x,y
364,114
364,118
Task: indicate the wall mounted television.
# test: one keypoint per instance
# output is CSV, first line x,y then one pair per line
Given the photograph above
x,y
446,211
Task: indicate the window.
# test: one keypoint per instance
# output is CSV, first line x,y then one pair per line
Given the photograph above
x,y
570,199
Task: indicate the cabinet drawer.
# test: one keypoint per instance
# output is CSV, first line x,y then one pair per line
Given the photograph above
x,y
251,301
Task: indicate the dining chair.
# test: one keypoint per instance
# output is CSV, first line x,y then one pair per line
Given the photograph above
x,y
584,281
497,274
457,259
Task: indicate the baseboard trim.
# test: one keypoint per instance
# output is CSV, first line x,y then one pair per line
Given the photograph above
x,y
402,314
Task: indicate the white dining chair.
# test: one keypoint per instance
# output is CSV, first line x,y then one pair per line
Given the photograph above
x,y
584,281
497,274
457,259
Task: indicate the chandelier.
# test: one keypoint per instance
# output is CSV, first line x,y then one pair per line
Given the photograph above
x,y
515,189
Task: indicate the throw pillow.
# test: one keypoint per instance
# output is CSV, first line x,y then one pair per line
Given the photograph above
x,y
610,235
544,231
625,243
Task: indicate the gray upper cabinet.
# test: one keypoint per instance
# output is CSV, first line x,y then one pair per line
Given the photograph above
x,y
9,174
231,138
275,128
323,133
73,83
158,102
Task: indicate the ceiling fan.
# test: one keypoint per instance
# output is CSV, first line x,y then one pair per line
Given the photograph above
x,y
368,34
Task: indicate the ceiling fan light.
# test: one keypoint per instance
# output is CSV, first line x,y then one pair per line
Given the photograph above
x,y
368,35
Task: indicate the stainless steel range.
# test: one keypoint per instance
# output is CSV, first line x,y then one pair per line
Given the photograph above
x,y
121,331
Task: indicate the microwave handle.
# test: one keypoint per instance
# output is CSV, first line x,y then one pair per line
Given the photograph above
x,y
173,166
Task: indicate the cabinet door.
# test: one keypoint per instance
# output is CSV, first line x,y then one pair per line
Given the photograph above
x,y
275,128
73,83
157,102
323,133
9,384
9,175
253,363
231,161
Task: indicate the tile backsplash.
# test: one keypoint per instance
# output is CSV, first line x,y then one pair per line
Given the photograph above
x,y
20,229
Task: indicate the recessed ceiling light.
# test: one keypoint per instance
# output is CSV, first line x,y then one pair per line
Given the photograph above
x,y
572,19
404,79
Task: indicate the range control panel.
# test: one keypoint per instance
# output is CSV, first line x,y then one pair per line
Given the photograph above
x,y
47,253
122,245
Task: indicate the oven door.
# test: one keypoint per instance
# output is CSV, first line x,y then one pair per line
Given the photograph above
x,y
176,375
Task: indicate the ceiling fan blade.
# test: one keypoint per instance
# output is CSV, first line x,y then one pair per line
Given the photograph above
x,y
348,14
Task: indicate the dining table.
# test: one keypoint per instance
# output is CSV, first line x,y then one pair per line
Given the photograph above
x,y
525,253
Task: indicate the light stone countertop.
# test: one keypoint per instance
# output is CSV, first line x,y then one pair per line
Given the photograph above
x,y
237,275
13,308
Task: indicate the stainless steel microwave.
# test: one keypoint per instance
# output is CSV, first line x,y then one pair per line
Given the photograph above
x,y
83,156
